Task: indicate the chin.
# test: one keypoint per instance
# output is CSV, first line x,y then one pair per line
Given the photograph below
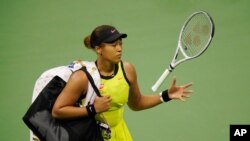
x,y
117,61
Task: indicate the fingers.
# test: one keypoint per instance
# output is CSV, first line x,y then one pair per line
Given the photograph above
x,y
184,97
180,92
187,85
186,94
188,91
174,81
184,86
106,99
102,103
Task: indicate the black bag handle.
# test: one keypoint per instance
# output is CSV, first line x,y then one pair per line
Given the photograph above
x,y
91,81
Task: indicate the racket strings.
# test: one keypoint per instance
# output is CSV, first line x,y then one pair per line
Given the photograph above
x,y
196,35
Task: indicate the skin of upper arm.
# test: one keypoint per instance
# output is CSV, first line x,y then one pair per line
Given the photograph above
x,y
75,87
134,92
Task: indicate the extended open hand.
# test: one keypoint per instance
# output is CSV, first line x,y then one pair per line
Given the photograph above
x,y
179,92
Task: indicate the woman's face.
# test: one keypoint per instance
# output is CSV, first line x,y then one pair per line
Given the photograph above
x,y
112,51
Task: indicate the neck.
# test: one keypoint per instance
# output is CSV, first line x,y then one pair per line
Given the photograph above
x,y
105,68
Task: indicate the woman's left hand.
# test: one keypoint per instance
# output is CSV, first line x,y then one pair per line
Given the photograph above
x,y
179,92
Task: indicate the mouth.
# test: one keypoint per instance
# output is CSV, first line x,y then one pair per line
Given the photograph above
x,y
119,55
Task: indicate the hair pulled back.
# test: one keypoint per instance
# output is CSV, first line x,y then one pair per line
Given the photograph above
x,y
87,42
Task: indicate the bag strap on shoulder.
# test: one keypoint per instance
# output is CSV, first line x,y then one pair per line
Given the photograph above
x,y
91,81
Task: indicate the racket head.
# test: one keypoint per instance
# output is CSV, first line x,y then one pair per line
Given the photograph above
x,y
196,34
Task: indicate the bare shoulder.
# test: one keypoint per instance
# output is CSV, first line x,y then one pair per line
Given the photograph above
x,y
130,71
78,80
128,67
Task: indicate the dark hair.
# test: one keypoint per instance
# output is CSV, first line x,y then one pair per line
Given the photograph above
x,y
102,34
87,43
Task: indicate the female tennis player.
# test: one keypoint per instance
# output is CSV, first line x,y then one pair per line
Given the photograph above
x,y
118,86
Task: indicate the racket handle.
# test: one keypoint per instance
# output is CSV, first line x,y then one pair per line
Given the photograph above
x,y
160,80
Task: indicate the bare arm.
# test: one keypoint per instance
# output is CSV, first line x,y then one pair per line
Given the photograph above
x,y
64,106
137,101
76,86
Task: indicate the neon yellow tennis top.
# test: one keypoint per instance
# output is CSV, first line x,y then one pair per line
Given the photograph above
x,y
117,86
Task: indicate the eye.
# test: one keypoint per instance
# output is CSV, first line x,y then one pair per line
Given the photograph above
x,y
113,44
116,43
120,43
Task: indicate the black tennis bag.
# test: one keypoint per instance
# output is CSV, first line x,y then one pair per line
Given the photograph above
x,y
39,119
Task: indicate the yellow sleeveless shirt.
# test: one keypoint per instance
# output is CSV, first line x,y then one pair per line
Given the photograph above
x,y
117,87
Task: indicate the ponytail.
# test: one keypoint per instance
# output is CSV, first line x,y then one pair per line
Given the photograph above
x,y
87,42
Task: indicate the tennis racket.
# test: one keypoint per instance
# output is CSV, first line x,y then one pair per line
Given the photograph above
x,y
195,36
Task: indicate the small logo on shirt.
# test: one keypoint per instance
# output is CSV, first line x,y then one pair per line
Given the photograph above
x,y
119,78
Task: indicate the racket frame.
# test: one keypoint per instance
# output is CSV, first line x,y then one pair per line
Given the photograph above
x,y
179,49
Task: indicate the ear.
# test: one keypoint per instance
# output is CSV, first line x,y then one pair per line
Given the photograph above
x,y
98,50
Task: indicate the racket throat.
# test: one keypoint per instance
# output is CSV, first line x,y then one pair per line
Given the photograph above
x,y
170,67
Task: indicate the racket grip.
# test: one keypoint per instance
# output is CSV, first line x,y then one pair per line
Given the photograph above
x,y
160,80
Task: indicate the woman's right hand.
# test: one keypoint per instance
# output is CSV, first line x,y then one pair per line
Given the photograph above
x,y
102,104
